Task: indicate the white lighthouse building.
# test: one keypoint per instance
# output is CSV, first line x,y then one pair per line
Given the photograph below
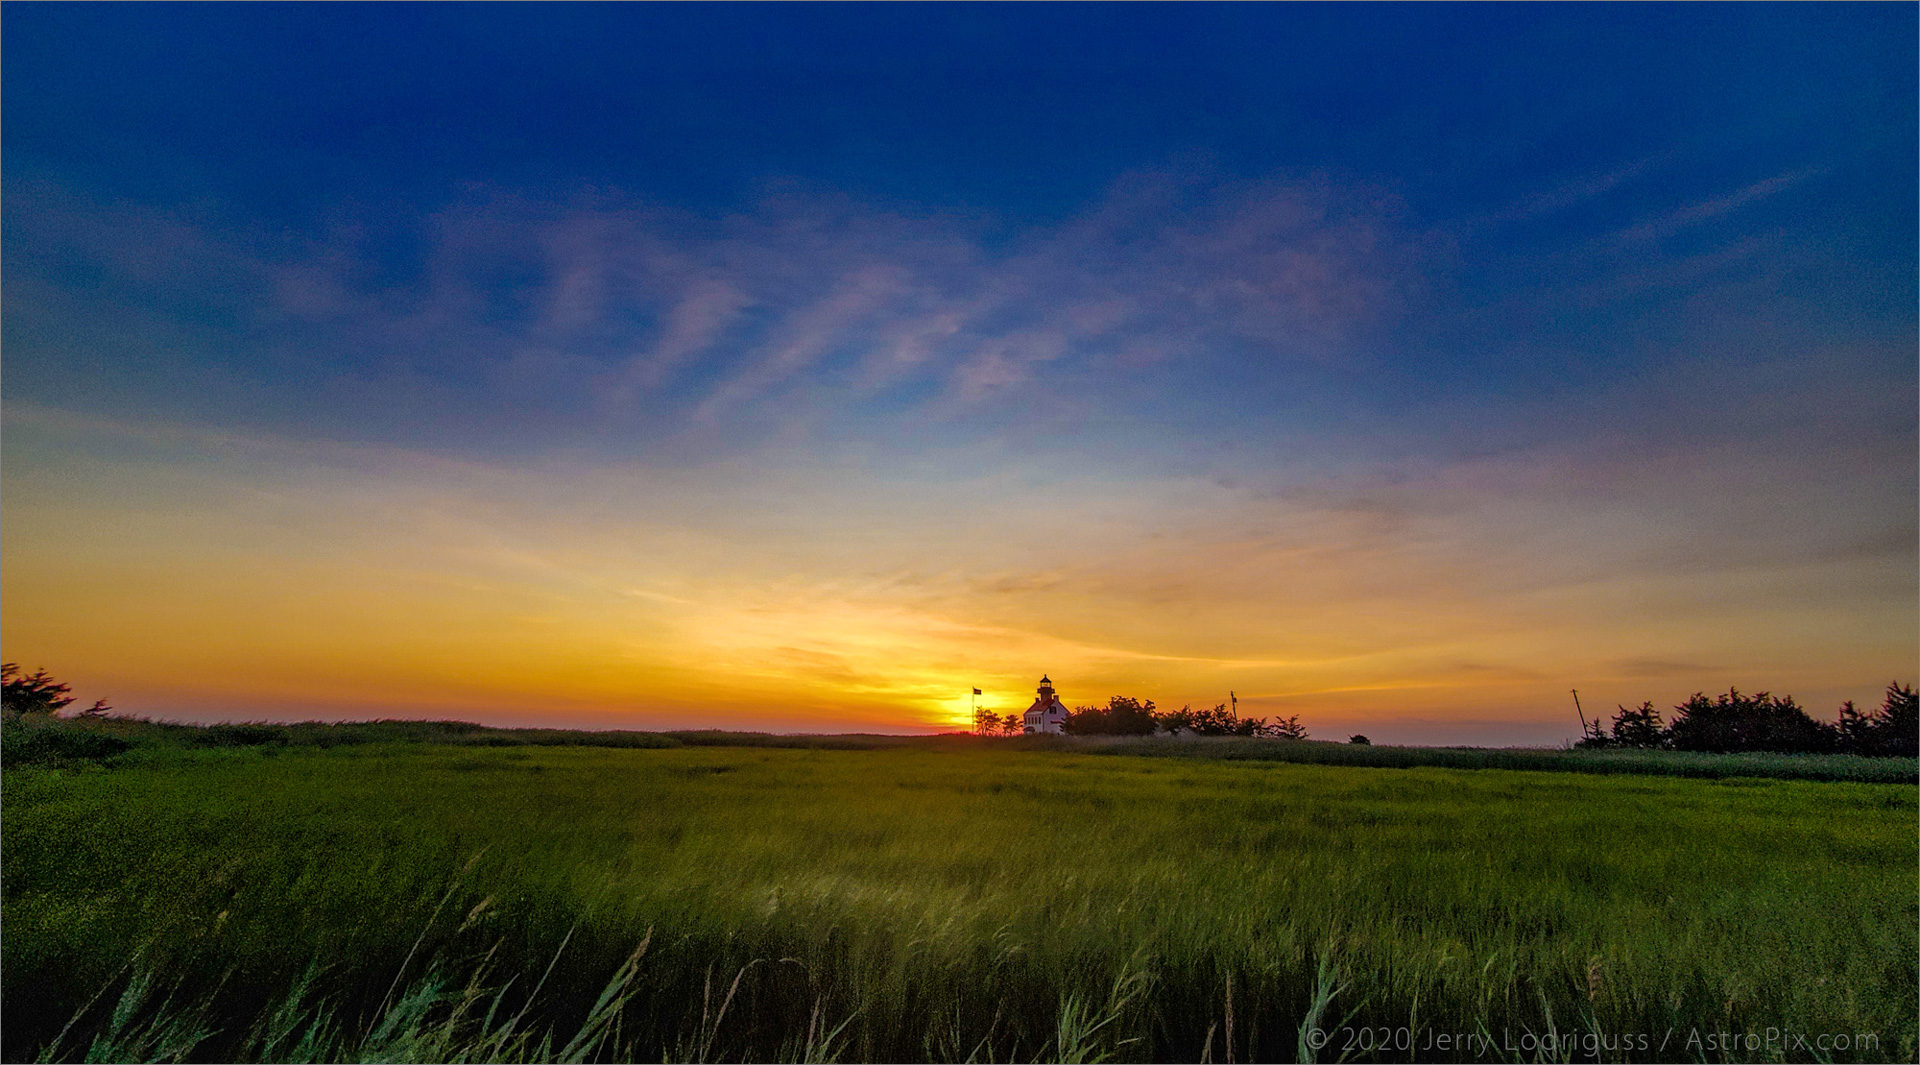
x,y
1047,713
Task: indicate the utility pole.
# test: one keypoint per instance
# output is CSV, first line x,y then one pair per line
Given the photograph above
x,y
1582,713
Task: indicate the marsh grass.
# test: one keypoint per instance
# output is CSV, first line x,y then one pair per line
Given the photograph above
x,y
67,742
972,902
1696,764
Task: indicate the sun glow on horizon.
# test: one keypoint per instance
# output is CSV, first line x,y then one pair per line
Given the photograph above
x,y
257,574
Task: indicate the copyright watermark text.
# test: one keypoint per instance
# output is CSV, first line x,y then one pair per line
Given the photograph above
x,y
1688,1043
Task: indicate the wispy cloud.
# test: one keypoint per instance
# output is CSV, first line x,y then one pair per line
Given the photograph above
x,y
808,336
702,315
1580,191
1675,221
677,549
599,306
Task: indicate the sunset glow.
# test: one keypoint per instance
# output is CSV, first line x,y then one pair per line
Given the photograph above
x,y
725,428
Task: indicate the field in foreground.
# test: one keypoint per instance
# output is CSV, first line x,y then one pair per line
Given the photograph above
x,y
378,901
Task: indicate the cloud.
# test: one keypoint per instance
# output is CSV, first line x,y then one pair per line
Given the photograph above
x,y
504,309
704,312
1659,667
808,335
1674,221
665,517
1575,193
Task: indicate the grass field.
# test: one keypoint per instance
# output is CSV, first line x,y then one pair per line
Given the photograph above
x,y
1756,764
49,741
374,901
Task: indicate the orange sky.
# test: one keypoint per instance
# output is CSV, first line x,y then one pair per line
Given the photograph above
x,y
199,575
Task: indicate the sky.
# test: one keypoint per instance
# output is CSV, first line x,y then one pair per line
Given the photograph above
x,y
802,368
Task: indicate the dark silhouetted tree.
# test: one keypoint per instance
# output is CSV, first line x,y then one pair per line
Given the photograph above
x,y
32,693
988,723
1899,722
1639,727
1854,732
1287,728
1122,716
1736,722
1219,720
1214,722
1894,729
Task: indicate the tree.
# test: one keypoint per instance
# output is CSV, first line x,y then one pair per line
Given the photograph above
x,y
1290,728
1594,736
988,723
1898,723
1736,722
1122,716
34,693
1639,727
1219,720
1011,725
1855,732
1894,729
1360,741
1216,721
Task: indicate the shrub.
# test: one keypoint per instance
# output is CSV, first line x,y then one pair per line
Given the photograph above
x,y
59,744
250,735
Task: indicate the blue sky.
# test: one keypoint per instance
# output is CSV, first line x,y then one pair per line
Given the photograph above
x,y
1510,308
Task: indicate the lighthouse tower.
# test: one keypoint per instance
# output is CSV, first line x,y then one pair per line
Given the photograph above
x,y
1047,713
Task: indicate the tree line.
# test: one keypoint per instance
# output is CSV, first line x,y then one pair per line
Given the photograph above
x,y
1763,722
1125,715
1726,723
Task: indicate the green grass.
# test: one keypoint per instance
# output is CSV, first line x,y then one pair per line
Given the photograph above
x,y
44,740
376,900
1850,767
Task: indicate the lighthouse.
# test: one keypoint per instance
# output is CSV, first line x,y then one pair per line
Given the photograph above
x,y
1047,713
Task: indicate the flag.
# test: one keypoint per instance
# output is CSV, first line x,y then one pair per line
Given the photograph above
x,y
976,691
